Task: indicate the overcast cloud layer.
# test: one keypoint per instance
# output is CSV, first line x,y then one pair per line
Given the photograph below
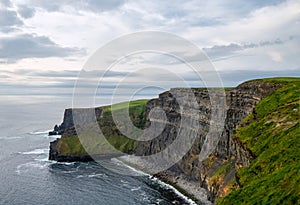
x,y
45,43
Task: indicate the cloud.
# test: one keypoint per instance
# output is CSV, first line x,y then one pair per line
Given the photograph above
x,y
4,76
71,74
218,52
26,12
5,3
32,46
275,56
9,20
79,5
233,78
99,5
32,84
237,35
194,14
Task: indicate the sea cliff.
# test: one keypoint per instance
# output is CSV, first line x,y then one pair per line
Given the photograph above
x,y
224,173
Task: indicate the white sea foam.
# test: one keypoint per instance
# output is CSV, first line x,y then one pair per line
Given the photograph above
x,y
68,172
23,168
52,136
124,182
11,137
64,163
42,159
135,188
44,134
145,196
92,175
190,201
95,175
129,168
40,132
37,151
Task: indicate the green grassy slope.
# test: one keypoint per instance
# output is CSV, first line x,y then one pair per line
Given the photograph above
x,y
273,136
71,145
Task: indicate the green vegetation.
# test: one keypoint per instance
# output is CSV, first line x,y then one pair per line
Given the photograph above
x,y
222,171
137,111
272,134
94,143
214,88
70,146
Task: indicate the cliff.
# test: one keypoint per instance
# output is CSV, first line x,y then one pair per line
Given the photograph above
x,y
271,136
69,147
229,152
243,152
68,119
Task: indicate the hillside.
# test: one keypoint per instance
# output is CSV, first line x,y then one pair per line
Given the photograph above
x,y
255,161
272,135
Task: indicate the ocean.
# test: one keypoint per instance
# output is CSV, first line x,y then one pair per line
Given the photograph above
x,y
27,177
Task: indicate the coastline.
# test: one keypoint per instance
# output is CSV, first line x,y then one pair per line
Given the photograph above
x,y
187,189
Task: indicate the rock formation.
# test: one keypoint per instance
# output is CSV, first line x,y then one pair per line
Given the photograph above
x,y
229,154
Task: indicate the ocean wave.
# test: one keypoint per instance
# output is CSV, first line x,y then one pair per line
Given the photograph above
x,y
11,137
170,187
39,132
129,169
44,134
42,154
65,163
152,178
135,188
92,175
23,168
36,151
95,175
124,182
145,197
68,172
43,159
52,136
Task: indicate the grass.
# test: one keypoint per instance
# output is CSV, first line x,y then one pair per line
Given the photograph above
x,y
70,146
273,137
136,110
94,143
225,167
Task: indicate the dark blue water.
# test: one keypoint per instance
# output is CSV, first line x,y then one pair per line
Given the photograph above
x,y
27,177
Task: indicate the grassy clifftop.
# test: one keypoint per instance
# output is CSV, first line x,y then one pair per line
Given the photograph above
x,y
272,134
70,145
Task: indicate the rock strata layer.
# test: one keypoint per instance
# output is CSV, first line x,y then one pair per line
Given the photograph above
x,y
229,151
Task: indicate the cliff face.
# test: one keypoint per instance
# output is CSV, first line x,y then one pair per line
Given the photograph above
x,y
67,130
70,148
229,151
68,119
217,173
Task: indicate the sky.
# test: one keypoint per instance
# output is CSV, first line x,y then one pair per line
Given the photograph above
x,y
45,44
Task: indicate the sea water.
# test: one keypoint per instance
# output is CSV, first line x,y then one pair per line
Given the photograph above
x,y
28,177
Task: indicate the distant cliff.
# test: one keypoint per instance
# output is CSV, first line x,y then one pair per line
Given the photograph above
x,y
241,146
69,146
